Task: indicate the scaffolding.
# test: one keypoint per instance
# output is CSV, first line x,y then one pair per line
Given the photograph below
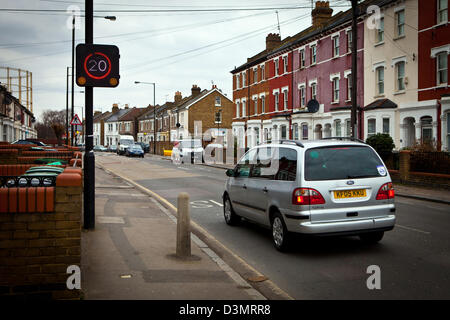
x,y
20,83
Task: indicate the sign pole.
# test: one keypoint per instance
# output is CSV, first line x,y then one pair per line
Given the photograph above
x,y
89,159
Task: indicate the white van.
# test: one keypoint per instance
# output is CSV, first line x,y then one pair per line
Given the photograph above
x,y
124,142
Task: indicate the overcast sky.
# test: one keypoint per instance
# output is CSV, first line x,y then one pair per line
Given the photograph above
x,y
175,49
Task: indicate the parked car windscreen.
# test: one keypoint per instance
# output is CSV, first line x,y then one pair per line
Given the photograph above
x,y
126,142
190,144
136,147
342,162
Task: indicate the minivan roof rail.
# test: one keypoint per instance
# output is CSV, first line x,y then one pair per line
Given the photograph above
x,y
298,143
344,138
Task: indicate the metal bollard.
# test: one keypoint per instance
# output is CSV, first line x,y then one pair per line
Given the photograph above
x,y
183,226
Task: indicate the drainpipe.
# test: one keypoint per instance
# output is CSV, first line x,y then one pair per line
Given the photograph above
x,y
439,128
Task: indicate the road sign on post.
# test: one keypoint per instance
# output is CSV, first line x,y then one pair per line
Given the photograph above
x,y
76,121
97,65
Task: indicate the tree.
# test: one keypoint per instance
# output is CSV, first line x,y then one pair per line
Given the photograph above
x,y
53,125
382,143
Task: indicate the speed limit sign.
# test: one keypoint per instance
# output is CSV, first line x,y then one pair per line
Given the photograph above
x,y
97,65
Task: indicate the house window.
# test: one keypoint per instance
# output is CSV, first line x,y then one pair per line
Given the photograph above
x,y
349,87
314,91
263,104
400,23
263,74
335,89
380,31
302,96
348,128
285,64
237,109
380,80
244,108
427,129
295,131
335,46
448,131
371,127
276,66
441,60
276,100
218,117
243,79
304,131
238,85
283,132
337,125
349,41
255,75
442,13
218,101
302,58
386,125
400,73
313,54
285,98
255,105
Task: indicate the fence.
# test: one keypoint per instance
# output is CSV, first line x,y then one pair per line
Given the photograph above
x,y
431,162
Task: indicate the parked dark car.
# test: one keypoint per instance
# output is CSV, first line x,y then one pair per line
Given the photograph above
x,y
134,150
144,146
24,141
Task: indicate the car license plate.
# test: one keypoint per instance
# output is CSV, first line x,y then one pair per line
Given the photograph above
x,y
344,194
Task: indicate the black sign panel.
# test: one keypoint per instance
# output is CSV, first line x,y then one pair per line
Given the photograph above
x,y
97,65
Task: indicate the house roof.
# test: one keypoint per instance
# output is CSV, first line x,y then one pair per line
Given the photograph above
x,y
115,116
202,95
380,104
132,114
102,116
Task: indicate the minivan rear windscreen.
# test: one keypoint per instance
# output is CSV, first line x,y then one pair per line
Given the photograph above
x,y
342,162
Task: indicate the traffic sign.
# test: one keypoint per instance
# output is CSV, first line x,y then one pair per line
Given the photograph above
x,y
76,121
97,65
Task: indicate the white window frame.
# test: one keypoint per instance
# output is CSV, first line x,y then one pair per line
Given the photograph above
x,y
263,72
396,21
255,105
255,75
369,133
313,56
276,95
397,76
336,39
263,103
238,83
335,78
285,64
379,31
377,81
244,78
349,40
285,91
338,124
445,71
302,58
238,107
313,86
389,125
302,91
244,108
440,20
276,66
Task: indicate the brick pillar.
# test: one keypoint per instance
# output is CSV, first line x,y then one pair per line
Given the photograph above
x,y
404,165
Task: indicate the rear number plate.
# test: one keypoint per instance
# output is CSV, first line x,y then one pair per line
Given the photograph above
x,y
358,193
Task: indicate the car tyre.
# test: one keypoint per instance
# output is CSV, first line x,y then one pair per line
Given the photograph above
x,y
231,218
372,237
281,237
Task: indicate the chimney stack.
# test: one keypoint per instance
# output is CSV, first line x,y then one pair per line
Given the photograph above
x,y
321,13
178,97
273,40
97,113
195,90
115,108
126,106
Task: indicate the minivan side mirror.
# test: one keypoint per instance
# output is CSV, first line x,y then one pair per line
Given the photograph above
x,y
230,173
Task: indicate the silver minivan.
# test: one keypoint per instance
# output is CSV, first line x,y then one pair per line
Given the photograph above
x,y
324,187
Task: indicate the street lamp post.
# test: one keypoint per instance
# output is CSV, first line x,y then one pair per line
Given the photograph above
x,y
154,113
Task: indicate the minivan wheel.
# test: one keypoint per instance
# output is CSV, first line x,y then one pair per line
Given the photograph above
x,y
372,237
231,218
280,234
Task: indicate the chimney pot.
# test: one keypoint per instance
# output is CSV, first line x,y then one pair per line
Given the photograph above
x,y
273,40
321,13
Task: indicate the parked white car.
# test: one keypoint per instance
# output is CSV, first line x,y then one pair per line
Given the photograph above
x,y
187,151
124,142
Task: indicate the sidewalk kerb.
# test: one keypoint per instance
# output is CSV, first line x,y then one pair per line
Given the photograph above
x,y
259,291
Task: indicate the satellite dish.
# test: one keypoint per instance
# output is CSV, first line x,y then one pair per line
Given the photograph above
x,y
313,105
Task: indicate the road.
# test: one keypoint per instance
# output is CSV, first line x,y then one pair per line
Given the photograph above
x,y
414,258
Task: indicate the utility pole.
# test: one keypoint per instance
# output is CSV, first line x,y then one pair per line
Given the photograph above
x,y
67,106
73,66
89,159
354,67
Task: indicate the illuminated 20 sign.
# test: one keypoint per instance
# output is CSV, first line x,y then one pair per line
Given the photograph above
x,y
97,65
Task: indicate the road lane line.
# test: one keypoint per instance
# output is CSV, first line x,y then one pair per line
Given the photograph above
x,y
412,229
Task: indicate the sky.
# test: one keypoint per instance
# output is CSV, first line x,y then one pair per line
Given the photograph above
x,y
172,49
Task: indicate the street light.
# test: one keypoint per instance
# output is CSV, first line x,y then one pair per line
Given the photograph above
x,y
111,18
154,113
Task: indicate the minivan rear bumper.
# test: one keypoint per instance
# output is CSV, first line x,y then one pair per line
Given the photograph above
x,y
335,227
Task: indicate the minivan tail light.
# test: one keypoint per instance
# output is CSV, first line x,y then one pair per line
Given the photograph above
x,y
386,192
307,196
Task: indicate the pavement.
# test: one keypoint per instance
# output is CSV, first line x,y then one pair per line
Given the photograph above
x,y
401,190
131,252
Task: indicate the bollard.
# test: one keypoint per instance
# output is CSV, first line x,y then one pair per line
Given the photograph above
x,y
183,227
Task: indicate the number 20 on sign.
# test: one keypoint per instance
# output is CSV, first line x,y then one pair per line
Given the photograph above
x,y
97,65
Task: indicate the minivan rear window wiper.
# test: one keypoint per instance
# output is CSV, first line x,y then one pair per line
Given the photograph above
x,y
361,176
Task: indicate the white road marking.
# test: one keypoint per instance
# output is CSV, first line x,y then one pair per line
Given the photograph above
x,y
107,219
412,229
219,204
